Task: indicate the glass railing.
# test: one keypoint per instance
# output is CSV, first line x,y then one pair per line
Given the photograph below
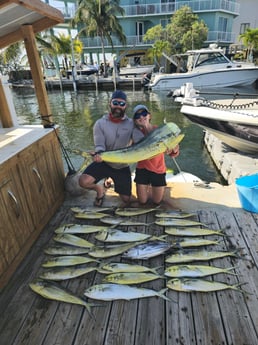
x,y
168,8
213,36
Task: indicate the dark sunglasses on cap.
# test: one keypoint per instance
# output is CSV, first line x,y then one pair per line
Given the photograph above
x,y
120,103
139,114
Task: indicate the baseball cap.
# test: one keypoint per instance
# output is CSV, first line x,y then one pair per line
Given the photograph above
x,y
140,107
119,94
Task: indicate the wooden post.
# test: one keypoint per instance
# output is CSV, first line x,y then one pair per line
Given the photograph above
x,y
37,75
5,115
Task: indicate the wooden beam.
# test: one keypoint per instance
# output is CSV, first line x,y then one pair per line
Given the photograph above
x,y
42,17
36,6
37,75
17,35
5,115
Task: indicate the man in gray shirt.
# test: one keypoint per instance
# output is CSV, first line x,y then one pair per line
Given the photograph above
x,y
111,132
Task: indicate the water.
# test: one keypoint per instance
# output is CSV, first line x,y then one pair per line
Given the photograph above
x,y
76,113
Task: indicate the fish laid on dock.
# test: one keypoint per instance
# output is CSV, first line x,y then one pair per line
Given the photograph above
x,y
65,250
111,250
147,250
195,271
174,214
114,235
199,285
121,221
89,215
63,273
129,278
130,212
67,260
72,240
54,292
111,292
91,209
190,231
117,267
195,242
158,141
177,222
80,229
202,255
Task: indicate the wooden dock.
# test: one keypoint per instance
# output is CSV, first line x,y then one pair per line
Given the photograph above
x,y
97,83
219,318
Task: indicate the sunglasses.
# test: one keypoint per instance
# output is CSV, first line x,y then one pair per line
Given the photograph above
x,y
142,113
120,103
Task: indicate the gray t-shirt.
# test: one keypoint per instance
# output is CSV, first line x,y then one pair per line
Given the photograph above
x,y
112,136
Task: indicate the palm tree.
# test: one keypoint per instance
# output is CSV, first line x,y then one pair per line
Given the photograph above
x,y
9,57
60,45
99,19
250,40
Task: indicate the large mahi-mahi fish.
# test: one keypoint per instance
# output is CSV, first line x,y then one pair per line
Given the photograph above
x,y
158,141
162,138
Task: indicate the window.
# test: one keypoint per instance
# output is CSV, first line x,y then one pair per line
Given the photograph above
x,y
223,23
243,27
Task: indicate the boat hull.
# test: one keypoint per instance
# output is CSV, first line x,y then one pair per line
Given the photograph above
x,y
237,130
230,77
136,70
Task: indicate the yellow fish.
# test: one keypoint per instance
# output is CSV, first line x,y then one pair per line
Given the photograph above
x,y
162,138
200,285
72,240
127,278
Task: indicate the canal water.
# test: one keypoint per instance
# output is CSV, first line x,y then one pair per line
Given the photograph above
x,y
76,113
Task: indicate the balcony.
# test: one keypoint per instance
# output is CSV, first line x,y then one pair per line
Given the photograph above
x,y
224,38
196,6
168,8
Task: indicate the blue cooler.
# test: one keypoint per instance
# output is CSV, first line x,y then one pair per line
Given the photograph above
x,y
247,188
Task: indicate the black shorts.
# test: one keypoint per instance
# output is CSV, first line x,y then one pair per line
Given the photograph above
x,y
146,177
121,177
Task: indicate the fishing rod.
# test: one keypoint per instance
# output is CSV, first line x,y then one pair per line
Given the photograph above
x,y
179,169
71,169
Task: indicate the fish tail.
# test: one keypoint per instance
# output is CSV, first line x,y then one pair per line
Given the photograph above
x,y
229,269
155,270
161,294
81,153
89,306
159,238
238,287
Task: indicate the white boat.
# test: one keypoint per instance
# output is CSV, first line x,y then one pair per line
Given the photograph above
x,y
136,70
205,68
235,124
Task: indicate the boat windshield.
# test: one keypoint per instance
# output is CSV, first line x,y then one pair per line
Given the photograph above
x,y
211,58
